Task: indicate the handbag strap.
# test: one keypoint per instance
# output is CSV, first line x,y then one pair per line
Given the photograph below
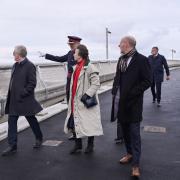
x,y
84,80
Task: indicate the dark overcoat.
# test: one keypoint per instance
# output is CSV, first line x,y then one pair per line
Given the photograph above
x,y
21,98
131,86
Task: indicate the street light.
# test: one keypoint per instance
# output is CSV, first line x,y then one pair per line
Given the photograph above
x,y
107,47
173,51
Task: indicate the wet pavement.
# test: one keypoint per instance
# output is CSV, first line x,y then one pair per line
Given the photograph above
x,y
160,150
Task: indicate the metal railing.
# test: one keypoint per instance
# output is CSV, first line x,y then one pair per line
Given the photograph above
x,y
47,93
2,106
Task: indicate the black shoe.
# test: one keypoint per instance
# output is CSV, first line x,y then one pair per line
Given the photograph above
x,y
158,104
9,151
72,138
119,140
78,147
154,100
89,149
38,144
90,146
75,150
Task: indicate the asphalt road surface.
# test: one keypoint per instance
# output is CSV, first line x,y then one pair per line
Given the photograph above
x,y
160,151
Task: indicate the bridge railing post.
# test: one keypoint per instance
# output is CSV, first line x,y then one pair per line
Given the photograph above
x,y
2,102
38,70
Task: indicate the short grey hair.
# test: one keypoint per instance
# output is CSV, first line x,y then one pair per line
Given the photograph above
x,y
131,40
20,50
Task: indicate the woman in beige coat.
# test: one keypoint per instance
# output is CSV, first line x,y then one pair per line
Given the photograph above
x,y
84,121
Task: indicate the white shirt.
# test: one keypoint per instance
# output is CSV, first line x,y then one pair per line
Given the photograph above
x,y
128,61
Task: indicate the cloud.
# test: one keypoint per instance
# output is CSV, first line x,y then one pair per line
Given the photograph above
x,y
45,24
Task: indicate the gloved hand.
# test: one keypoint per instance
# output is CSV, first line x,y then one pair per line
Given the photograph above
x,y
41,54
84,98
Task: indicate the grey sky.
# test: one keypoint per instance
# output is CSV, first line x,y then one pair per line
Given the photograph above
x,y
44,25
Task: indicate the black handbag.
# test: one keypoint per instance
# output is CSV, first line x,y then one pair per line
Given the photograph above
x,y
89,101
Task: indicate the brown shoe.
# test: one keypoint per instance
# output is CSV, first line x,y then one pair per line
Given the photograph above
x,y
135,172
126,159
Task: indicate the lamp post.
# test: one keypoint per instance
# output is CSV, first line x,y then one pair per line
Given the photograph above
x,y
173,51
107,43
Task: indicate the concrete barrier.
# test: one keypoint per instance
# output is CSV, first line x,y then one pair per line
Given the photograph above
x,y
51,80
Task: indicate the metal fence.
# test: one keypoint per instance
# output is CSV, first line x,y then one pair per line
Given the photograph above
x,y
55,90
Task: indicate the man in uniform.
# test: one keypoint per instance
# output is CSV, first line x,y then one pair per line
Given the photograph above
x,y
73,42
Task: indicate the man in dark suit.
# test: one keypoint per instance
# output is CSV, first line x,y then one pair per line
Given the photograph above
x,y
73,42
158,64
21,99
133,77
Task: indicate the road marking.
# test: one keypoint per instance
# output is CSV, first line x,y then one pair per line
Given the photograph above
x,y
177,162
154,129
52,143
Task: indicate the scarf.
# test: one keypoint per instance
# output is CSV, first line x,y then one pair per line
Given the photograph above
x,y
75,81
124,58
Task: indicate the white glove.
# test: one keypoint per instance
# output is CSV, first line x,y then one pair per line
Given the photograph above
x,y
41,54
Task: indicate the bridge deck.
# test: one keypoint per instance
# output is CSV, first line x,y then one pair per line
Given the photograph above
x,y
160,151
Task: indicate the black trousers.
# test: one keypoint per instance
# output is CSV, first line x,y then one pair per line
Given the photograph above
x,y
119,131
12,128
132,139
68,83
156,90
90,141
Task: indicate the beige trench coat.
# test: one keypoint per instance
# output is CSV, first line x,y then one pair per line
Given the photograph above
x,y
87,121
